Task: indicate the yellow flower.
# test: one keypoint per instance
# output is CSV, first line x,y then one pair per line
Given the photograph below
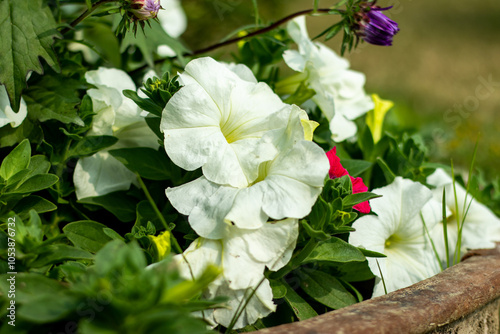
x,y
161,244
375,117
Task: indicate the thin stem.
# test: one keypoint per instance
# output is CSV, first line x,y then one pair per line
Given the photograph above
x,y
237,39
85,15
159,214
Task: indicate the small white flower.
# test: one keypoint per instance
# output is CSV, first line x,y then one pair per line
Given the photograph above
x,y
481,227
7,115
243,256
115,115
339,91
398,232
216,122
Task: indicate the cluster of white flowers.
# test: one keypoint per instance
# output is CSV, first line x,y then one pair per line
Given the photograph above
x,y
339,91
404,212
118,116
257,165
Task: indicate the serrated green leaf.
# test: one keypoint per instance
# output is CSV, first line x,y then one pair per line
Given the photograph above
x,y
325,289
335,250
87,235
37,203
90,145
36,183
28,30
299,306
54,97
17,160
149,163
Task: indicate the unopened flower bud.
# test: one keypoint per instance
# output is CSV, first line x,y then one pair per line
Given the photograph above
x,y
145,9
373,26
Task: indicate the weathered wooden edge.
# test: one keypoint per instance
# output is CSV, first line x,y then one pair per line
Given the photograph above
x,y
420,308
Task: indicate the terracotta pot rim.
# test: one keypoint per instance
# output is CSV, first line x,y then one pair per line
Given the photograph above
x,y
442,299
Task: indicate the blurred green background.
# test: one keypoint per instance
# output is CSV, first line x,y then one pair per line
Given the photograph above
x,y
443,70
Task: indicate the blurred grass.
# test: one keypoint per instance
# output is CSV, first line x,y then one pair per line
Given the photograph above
x,y
442,50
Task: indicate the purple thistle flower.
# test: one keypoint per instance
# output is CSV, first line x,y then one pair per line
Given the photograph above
x,y
376,28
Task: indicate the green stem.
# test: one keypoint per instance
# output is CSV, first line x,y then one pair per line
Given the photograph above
x,y
237,39
297,261
85,15
159,214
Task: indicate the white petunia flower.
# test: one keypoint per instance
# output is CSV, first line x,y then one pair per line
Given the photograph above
x,y
398,232
115,115
481,227
339,91
174,21
259,306
7,115
243,256
287,186
216,122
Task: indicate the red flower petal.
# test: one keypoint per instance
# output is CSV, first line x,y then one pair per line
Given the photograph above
x,y
336,169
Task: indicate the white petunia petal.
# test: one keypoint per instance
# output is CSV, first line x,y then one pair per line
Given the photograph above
x,y
172,18
101,174
398,232
7,115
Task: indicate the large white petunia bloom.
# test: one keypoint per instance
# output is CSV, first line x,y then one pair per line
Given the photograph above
x,y
287,186
243,256
339,90
398,232
7,115
216,122
117,116
481,227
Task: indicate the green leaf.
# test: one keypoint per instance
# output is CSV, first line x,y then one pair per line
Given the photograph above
x,y
388,173
279,289
356,167
144,103
33,285
370,253
87,235
54,97
17,160
299,306
325,289
317,234
36,183
118,203
37,203
90,145
39,165
49,308
353,199
28,29
335,250
149,163
59,253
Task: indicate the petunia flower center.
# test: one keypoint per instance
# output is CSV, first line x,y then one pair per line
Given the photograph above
x,y
392,241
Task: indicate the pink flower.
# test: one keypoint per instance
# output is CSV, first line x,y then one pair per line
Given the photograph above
x,y
358,186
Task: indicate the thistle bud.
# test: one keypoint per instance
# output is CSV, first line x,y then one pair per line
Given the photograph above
x,y
145,9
